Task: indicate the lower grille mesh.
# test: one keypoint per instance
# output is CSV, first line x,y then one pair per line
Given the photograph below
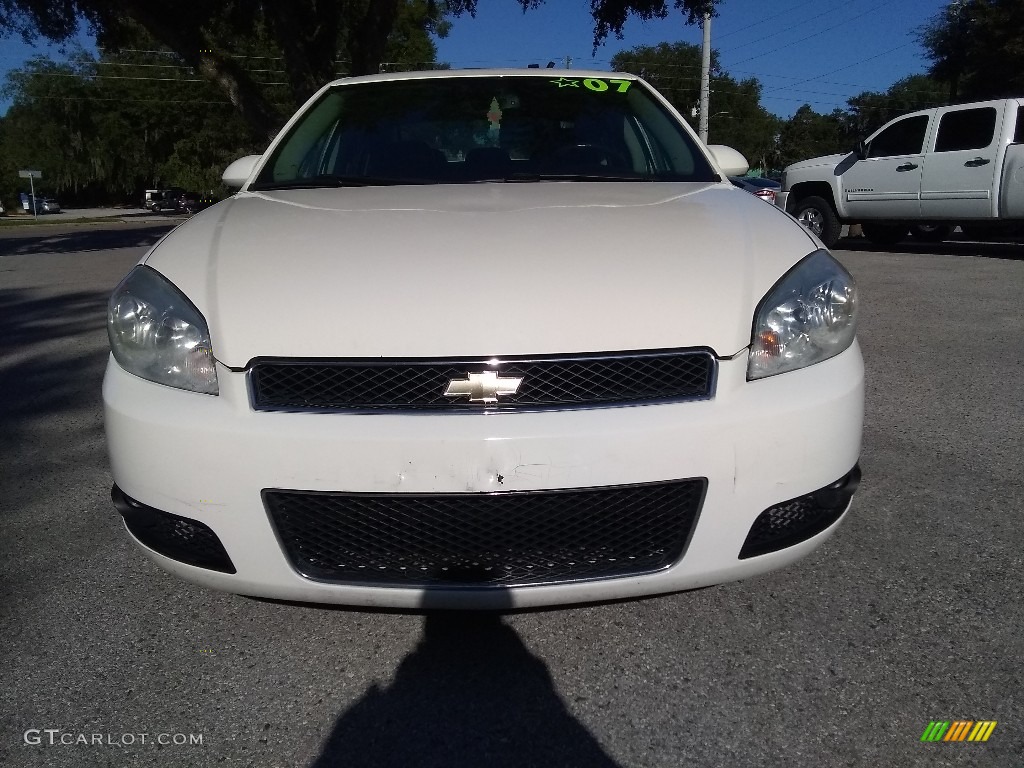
x,y
799,519
486,539
179,538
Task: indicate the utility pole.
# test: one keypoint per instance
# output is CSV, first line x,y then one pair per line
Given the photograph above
x,y
568,62
705,80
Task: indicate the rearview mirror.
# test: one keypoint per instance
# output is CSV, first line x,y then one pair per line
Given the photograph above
x,y
236,174
861,150
729,160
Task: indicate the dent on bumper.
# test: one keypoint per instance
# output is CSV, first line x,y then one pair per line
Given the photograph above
x,y
758,444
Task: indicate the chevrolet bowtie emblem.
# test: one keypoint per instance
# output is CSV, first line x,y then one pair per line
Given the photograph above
x,y
484,387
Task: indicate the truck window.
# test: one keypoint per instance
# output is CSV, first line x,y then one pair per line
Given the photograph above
x,y
905,137
1018,134
966,129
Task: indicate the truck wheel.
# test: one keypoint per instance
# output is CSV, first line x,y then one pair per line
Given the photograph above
x,y
884,234
931,233
817,215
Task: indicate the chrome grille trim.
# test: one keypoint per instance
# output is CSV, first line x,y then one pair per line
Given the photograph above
x,y
550,382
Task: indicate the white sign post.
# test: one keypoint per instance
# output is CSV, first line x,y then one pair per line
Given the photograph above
x,y
32,176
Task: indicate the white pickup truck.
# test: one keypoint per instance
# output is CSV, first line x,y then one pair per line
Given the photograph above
x,y
923,173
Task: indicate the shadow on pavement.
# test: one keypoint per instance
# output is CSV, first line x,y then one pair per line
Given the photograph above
x,y
988,250
47,368
28,318
471,694
17,242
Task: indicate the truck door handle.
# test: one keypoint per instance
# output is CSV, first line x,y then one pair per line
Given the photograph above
x,y
976,162
906,167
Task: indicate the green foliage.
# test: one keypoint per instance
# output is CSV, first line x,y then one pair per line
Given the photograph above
x,y
976,48
871,110
410,42
141,116
809,134
312,41
610,16
103,130
737,118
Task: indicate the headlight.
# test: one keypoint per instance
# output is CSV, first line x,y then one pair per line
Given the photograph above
x,y
809,316
157,334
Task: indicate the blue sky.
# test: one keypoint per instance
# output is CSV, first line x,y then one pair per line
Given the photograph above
x,y
820,52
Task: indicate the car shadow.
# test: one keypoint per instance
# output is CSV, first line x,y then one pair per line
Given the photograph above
x,y
989,250
77,238
470,694
46,369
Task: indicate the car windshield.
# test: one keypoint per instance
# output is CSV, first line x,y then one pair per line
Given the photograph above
x,y
484,128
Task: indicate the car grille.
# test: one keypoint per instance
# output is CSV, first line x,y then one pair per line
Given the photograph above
x,y
486,539
179,538
557,382
799,519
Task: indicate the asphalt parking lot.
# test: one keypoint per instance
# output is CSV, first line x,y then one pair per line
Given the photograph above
x,y
911,613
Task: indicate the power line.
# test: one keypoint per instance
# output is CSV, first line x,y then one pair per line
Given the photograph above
x,y
129,77
849,66
872,9
768,18
142,101
783,31
172,53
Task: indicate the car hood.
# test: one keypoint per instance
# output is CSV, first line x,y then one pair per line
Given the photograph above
x,y
814,162
480,269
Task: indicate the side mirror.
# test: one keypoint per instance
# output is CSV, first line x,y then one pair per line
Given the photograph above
x,y
729,160
236,174
861,150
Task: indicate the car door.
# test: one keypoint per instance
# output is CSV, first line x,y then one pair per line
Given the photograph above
x,y
960,171
886,184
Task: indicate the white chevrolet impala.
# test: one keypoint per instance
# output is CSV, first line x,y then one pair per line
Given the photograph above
x,y
478,339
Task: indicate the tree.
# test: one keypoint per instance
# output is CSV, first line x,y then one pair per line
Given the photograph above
x,y
610,16
871,110
976,47
809,134
311,36
101,130
737,118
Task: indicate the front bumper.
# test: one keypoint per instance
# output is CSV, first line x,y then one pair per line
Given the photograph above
x,y
758,444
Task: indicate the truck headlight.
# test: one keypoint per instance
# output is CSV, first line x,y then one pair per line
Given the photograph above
x,y
810,315
157,334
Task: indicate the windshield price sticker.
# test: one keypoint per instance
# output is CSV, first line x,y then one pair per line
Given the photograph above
x,y
594,84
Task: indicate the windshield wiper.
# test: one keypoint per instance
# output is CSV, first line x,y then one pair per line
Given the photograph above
x,y
326,181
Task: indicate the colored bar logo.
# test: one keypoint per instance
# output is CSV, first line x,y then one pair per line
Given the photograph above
x,y
958,730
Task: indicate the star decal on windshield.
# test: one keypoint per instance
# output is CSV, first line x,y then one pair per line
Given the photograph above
x,y
564,83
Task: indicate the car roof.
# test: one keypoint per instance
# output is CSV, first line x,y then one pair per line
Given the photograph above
x,y
447,74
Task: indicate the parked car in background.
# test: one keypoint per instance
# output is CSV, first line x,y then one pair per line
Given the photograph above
x,y
428,359
153,198
761,187
175,201
150,197
923,173
41,205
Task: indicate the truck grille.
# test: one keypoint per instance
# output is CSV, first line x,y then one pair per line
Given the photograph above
x,y
547,382
486,539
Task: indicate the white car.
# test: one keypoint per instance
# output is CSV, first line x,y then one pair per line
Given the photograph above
x,y
492,338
